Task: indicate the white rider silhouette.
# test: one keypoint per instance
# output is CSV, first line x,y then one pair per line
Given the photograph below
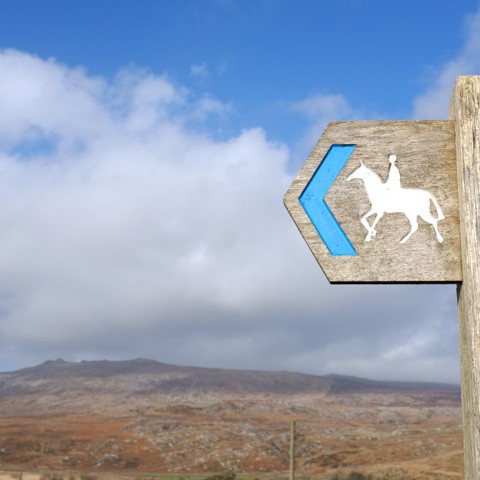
x,y
390,197
393,180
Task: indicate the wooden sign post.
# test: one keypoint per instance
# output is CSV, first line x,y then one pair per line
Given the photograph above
x,y
399,202
465,112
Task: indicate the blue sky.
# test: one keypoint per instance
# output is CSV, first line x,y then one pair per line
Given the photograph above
x,y
257,55
145,148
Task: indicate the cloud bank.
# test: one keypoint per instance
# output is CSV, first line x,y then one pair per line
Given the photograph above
x,y
127,231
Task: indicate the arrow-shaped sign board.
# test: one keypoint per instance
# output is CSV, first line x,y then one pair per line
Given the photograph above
x,y
377,202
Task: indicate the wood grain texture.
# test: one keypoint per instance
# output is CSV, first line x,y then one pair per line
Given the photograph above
x,y
465,110
426,159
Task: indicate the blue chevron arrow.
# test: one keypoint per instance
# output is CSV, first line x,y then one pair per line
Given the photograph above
x,y
313,200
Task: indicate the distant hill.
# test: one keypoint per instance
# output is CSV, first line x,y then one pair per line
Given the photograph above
x,y
150,417
140,376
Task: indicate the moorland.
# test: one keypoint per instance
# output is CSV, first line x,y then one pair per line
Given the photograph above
x,y
142,418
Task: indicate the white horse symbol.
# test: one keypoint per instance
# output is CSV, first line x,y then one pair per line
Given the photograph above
x,y
384,198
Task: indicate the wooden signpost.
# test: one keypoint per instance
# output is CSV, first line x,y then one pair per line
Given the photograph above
x,y
328,213
399,202
465,112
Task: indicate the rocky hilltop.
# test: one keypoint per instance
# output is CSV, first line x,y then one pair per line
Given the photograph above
x,y
142,376
147,416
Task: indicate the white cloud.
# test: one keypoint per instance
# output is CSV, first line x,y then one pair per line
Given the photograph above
x,y
133,234
324,106
433,103
321,109
145,223
199,70
208,105
44,97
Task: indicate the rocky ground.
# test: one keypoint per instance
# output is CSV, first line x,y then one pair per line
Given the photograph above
x,y
108,424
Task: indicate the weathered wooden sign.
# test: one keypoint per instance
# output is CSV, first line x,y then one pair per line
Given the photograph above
x,y
377,202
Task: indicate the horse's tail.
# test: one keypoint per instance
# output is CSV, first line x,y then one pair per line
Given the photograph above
x,y
440,214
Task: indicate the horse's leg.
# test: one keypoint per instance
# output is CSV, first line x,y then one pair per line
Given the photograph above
x,y
374,224
428,217
367,225
413,226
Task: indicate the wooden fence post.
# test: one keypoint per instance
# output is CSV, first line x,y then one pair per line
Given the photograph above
x,y
292,450
465,110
